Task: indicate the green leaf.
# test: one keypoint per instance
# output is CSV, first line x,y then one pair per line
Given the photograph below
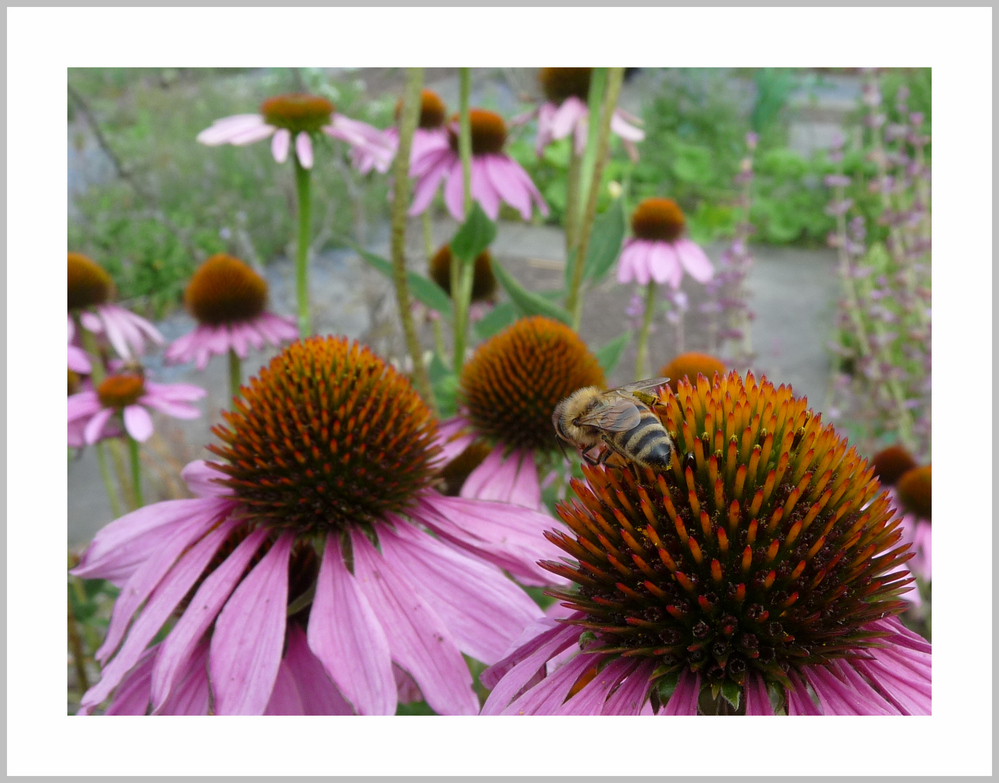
x,y
610,354
529,302
667,683
605,242
423,288
474,236
497,319
732,693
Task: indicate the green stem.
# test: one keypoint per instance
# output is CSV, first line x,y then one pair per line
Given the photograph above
x,y
465,136
115,447
133,451
302,185
428,237
235,374
643,335
574,302
102,460
400,200
90,346
79,658
439,339
572,199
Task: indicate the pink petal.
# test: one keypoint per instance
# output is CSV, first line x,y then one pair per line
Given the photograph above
x,y
545,115
249,636
161,604
417,636
203,480
664,265
694,260
483,190
632,695
303,149
839,698
624,130
280,144
132,696
799,700
347,638
120,547
426,187
83,404
148,575
224,130
454,191
176,392
138,422
549,695
591,697
177,649
755,694
175,409
92,432
238,338
482,609
567,115
191,694
252,135
316,691
508,187
285,698
684,698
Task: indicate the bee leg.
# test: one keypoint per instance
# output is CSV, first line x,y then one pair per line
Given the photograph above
x,y
648,399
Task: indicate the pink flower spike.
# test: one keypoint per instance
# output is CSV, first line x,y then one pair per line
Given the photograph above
x,y
346,636
303,149
249,636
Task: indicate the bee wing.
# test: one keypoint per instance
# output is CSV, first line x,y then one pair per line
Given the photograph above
x,y
650,383
617,414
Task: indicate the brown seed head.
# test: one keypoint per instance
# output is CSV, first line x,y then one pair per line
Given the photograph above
x,y
119,391
88,285
488,132
561,83
914,491
224,290
483,280
297,112
891,464
658,218
432,110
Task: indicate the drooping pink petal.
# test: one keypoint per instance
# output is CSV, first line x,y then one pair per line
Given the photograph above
x,y
514,169
434,159
181,350
626,266
138,422
303,149
545,115
426,186
482,609
92,432
178,410
77,360
148,575
450,438
179,646
143,326
120,547
280,144
684,698
483,189
755,694
799,700
591,697
176,392
347,637
191,694
204,481
224,130
694,260
318,694
285,698
406,686
548,695
508,187
454,191
508,677
82,404
164,599
249,636
418,638
251,135
238,338
509,478
132,696
567,115
625,130
633,695
664,265
840,698
580,136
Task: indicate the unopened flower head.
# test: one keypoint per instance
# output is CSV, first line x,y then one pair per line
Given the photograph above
x,y
483,281
659,252
228,299
90,292
760,573
317,568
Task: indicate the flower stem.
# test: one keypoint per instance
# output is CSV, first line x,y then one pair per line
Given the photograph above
x,y
303,187
90,346
643,335
133,451
79,658
407,127
572,201
235,374
102,460
461,289
428,236
574,302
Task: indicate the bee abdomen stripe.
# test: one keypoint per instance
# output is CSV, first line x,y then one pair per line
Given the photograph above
x,y
645,435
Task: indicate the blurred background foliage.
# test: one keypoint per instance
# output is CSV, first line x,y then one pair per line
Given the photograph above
x,y
170,202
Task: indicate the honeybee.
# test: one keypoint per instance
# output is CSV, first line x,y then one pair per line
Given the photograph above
x,y
620,420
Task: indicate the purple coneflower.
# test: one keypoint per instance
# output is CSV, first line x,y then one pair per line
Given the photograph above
x,y
507,393
76,359
658,252
761,574
129,395
90,290
496,177
910,489
320,522
298,116
566,112
228,299
429,134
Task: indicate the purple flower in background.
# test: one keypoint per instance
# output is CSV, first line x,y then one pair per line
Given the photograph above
x,y
297,117
496,177
658,251
316,560
228,299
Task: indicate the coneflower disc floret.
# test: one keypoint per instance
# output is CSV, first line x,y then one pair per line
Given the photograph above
x,y
225,290
765,547
327,436
297,112
88,285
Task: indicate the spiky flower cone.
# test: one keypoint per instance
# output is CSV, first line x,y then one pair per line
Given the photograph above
x,y
766,550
